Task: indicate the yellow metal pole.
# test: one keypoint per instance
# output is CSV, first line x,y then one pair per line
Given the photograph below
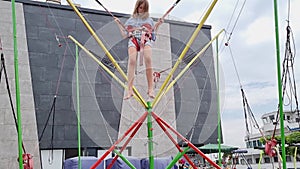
x,y
92,32
101,64
184,52
188,65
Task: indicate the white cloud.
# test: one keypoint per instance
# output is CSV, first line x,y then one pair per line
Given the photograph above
x,y
234,132
260,31
256,96
193,17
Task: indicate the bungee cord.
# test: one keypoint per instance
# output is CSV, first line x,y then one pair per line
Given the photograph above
x,y
228,34
123,26
170,9
236,20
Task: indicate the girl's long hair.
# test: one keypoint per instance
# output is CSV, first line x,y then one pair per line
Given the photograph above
x,y
144,15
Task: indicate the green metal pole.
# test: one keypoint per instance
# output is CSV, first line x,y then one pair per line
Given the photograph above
x,y
125,159
13,5
150,136
279,87
219,113
78,110
177,157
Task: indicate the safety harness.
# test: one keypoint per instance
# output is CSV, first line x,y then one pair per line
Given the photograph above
x,y
139,37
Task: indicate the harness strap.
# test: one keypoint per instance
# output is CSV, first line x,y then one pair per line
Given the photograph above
x,y
27,161
146,35
135,42
269,147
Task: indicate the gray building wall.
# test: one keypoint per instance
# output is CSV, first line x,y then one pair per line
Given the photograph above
x,y
190,106
8,131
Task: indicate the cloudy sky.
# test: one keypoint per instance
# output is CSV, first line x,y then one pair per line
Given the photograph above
x,y
252,46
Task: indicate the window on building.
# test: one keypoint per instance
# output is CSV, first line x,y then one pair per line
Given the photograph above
x,y
256,160
267,160
71,152
259,143
249,160
265,120
236,161
249,144
297,158
272,118
275,159
288,159
254,143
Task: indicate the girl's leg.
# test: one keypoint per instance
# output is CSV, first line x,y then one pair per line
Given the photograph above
x,y
148,63
132,53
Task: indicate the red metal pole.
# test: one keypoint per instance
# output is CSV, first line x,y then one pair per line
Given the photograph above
x,y
118,141
189,143
174,141
128,140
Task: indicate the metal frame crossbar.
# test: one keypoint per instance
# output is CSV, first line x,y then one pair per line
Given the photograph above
x,y
149,114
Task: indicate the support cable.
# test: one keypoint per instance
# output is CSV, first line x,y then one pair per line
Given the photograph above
x,y
289,89
236,20
9,93
17,84
248,114
52,110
